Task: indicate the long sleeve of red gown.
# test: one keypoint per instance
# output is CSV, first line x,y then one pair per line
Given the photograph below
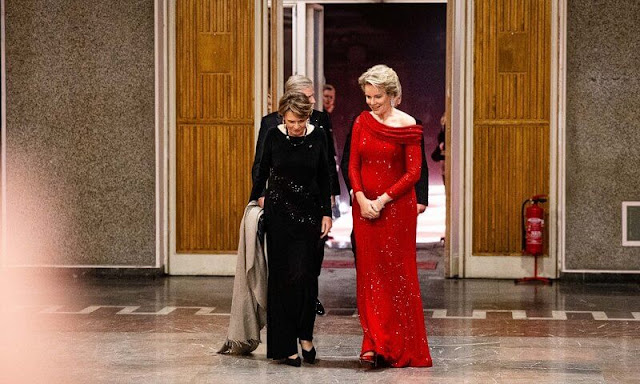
x,y
413,165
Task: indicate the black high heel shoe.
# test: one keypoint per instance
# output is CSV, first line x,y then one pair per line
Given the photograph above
x,y
309,356
372,361
368,361
293,362
319,308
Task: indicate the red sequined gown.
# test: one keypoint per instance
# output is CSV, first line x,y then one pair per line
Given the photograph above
x,y
388,159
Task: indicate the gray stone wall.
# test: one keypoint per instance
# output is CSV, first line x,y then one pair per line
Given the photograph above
x,y
603,131
80,134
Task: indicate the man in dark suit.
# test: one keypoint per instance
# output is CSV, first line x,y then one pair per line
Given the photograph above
x,y
321,121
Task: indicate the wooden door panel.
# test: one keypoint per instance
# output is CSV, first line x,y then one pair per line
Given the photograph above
x,y
511,118
507,161
214,133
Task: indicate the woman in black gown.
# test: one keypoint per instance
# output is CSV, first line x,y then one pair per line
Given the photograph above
x,y
297,210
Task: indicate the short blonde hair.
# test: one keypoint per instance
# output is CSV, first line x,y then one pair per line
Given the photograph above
x,y
298,83
383,77
296,102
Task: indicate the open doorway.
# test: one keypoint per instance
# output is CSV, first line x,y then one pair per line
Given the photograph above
x,y
410,38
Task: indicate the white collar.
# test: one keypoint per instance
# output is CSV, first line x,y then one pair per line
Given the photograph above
x,y
282,129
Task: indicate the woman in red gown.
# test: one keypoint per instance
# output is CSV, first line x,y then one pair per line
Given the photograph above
x,y
383,168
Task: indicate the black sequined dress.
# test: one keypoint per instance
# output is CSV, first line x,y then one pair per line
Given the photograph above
x,y
296,198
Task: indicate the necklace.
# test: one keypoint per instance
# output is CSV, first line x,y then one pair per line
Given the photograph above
x,y
289,137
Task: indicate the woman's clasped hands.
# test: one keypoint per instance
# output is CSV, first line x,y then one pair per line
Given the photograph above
x,y
369,209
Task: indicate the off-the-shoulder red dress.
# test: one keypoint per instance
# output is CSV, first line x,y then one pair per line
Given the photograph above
x,y
388,159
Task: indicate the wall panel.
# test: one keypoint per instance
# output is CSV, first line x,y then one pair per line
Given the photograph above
x,y
80,133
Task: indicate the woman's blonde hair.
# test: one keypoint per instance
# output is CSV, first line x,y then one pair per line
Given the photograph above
x,y
296,102
383,77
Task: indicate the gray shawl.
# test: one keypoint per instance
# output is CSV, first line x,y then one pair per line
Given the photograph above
x,y
249,301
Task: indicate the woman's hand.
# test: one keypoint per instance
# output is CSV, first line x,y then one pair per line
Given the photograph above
x,y
261,202
367,209
379,203
326,225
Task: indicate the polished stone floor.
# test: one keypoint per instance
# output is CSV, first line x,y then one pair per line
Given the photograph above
x,y
68,329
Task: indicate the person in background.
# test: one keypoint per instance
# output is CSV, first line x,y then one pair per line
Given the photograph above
x,y
328,98
384,166
328,104
321,122
439,152
297,210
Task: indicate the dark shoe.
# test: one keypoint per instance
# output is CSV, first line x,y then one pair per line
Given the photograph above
x,y
319,308
309,356
369,361
293,362
373,361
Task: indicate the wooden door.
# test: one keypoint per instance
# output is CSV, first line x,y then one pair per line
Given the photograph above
x,y
214,122
511,112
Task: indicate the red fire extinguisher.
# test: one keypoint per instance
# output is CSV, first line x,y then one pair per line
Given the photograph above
x,y
533,225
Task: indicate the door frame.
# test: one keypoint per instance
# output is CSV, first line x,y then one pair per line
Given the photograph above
x,y
302,48
202,264
511,266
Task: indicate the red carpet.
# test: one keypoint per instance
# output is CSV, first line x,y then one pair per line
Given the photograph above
x,y
349,264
